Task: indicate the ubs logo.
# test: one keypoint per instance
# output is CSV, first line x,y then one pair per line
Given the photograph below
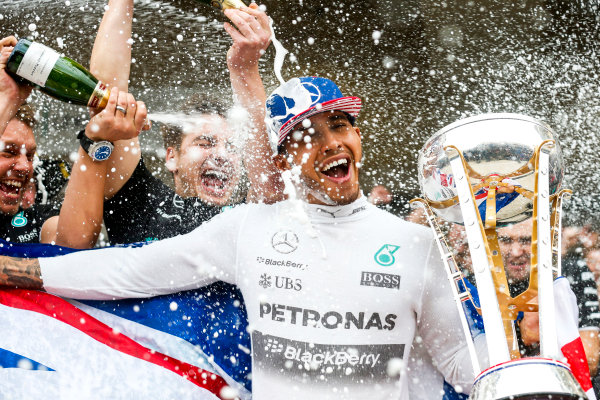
x,y
285,242
280,282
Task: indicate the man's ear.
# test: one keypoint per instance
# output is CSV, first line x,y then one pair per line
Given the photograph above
x,y
281,162
357,129
171,160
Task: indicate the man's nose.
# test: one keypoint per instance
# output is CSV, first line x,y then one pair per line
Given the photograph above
x,y
516,249
22,163
331,140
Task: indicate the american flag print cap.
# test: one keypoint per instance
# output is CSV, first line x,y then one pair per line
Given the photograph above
x,y
301,98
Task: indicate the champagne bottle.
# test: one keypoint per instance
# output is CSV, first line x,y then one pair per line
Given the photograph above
x,y
59,77
224,4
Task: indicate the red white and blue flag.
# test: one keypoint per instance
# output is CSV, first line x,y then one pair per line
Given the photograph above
x,y
54,348
567,319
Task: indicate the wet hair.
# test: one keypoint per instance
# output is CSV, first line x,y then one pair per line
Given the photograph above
x,y
195,104
26,115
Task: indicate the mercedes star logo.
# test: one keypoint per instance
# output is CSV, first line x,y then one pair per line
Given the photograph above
x,y
285,241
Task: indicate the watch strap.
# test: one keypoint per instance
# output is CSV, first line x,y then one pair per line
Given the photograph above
x,y
84,141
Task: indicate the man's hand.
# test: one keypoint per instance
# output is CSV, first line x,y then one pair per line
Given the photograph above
x,y
250,39
23,273
530,328
16,93
113,123
380,195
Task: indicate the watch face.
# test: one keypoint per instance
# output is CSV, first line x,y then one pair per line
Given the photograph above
x,y
102,152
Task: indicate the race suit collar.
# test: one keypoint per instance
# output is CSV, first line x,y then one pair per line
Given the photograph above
x,y
330,213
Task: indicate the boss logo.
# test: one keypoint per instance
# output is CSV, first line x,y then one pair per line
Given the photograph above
x,y
380,280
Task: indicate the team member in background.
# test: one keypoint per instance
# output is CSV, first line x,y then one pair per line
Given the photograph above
x,y
19,221
515,246
203,154
295,262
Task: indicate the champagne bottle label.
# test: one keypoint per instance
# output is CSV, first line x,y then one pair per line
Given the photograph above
x,y
99,97
37,63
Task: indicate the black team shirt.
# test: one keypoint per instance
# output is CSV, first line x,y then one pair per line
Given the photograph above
x,y
26,225
146,209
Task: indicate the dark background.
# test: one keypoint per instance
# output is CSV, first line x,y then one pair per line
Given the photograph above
x,y
434,62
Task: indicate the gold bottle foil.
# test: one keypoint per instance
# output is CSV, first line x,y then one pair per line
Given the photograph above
x,y
224,4
99,97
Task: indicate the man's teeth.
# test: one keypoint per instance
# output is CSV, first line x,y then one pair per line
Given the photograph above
x,y
216,174
334,164
16,184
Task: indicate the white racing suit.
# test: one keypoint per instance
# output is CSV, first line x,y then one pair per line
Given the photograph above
x,y
335,295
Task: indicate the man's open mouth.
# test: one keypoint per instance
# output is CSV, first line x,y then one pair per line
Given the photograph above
x,y
337,170
215,181
519,267
11,187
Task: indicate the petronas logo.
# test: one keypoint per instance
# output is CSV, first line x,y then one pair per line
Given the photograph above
x,y
385,255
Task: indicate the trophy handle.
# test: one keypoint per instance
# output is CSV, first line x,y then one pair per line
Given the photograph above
x,y
455,276
556,222
542,248
482,265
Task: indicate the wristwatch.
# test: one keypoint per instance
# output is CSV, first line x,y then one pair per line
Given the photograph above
x,y
98,151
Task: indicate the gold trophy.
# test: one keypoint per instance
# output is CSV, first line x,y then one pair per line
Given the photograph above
x,y
490,171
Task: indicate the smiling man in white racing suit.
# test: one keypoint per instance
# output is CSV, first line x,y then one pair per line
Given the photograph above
x,y
336,289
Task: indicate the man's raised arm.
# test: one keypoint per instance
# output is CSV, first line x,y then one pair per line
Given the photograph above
x,y
80,219
250,40
111,63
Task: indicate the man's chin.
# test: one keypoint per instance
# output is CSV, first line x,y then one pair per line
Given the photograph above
x,y
9,209
215,197
518,274
338,199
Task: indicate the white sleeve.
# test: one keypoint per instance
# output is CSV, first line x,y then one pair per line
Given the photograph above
x,y
440,328
184,262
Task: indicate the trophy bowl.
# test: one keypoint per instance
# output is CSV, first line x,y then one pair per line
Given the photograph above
x,y
494,146
527,379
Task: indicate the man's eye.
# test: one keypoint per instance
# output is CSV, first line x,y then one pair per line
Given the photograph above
x,y
204,144
231,147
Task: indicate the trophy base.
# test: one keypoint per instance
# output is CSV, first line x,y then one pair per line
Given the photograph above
x,y
527,379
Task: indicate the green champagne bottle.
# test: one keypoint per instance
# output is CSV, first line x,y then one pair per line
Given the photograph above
x,y
59,77
224,4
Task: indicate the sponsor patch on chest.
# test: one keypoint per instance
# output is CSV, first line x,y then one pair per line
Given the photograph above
x,y
379,279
